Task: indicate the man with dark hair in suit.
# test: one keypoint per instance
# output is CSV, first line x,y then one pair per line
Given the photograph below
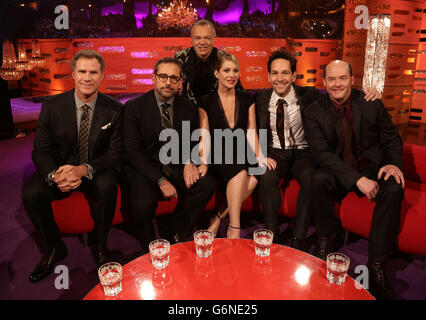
x,y
280,111
148,179
77,146
357,148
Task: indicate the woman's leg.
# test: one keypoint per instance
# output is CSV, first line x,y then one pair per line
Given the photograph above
x,y
223,208
238,189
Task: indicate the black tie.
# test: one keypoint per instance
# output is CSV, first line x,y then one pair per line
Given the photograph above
x,y
83,135
281,104
166,119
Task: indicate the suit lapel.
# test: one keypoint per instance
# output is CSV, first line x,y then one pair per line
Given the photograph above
x,y
264,105
98,120
69,114
156,115
357,104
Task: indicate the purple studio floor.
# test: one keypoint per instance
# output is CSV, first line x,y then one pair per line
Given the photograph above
x,y
19,244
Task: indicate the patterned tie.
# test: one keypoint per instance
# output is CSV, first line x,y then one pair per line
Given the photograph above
x,y
83,135
166,119
347,138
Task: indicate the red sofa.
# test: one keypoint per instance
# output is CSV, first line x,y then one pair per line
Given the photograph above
x,y
73,217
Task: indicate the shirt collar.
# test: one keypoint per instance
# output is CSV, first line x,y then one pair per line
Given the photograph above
x,y
290,98
79,103
347,104
161,101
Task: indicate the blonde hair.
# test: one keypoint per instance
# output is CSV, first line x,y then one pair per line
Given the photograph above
x,y
223,56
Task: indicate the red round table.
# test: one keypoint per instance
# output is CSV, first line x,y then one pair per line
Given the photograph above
x,y
233,272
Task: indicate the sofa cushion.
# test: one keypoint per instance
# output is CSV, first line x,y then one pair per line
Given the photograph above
x,y
414,160
356,215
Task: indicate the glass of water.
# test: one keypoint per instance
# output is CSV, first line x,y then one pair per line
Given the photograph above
x,y
263,241
160,251
337,267
110,275
203,240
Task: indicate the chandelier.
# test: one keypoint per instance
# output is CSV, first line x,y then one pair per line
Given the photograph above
x,y
376,52
9,70
23,63
177,15
37,60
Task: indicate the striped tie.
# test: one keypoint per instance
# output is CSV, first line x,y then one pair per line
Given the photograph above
x,y
166,119
83,135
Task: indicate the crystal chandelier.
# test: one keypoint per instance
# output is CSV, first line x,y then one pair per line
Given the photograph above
x,y
37,60
23,62
376,52
177,15
8,70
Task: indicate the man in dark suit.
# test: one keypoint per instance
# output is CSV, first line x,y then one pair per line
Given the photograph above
x,y
148,178
77,146
358,149
279,110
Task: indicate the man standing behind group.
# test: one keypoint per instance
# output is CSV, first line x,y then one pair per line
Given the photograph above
x,y
77,146
199,62
358,149
148,179
280,111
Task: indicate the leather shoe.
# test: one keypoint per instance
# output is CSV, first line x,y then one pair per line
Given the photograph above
x,y
176,238
328,244
47,263
378,283
100,254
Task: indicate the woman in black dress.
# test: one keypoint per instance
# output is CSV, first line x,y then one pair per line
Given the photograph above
x,y
227,112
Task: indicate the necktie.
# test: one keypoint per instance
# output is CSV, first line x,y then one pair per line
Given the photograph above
x,y
347,138
281,118
83,135
166,119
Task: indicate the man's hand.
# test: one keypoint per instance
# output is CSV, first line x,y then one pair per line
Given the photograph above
x,y
371,94
202,170
168,190
391,170
190,174
68,177
368,187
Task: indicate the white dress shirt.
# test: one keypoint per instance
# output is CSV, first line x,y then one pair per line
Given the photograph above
x,y
292,118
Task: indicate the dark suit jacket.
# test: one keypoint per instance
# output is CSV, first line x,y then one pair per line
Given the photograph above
x,y
305,96
141,132
374,131
56,140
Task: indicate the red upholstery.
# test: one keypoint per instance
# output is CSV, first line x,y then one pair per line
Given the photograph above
x,y
73,216
356,214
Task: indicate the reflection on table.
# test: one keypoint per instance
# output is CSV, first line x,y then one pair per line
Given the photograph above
x,y
232,272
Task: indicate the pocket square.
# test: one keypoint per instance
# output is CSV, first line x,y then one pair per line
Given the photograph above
x,y
107,126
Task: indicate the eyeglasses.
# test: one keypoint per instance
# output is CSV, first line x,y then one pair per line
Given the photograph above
x,y
163,77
